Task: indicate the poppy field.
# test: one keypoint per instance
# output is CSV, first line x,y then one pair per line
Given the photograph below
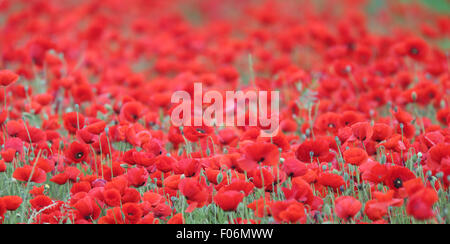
x,y
362,112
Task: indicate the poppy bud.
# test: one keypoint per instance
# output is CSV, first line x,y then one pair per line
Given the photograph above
x,y
326,209
413,96
346,176
439,175
419,157
219,178
383,159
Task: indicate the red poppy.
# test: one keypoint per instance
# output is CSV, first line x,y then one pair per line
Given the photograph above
x,y
164,163
420,204
416,48
133,213
437,155
194,192
332,180
8,155
60,179
347,207
131,195
294,167
311,150
396,176
288,211
28,173
259,153
362,130
381,132
195,133
240,186
176,219
228,200
41,201
87,208
7,77
355,156
81,186
73,121
137,177
2,166
12,202
112,197
77,152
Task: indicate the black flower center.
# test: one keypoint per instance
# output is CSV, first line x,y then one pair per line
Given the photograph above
x,y
414,51
200,131
261,160
79,155
398,183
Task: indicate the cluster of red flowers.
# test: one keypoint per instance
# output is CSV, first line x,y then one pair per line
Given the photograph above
x,y
86,134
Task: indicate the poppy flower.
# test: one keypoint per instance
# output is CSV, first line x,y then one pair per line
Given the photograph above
x,y
113,216
332,180
396,176
112,197
28,173
148,219
194,191
8,155
77,152
375,173
420,204
288,211
12,202
132,212
73,121
240,186
164,163
362,130
2,166
300,191
437,154
87,209
81,186
131,195
131,112
416,48
7,77
259,153
15,128
137,177
228,200
60,179
311,150
294,167
381,131
355,156
195,133
176,219
347,207
41,201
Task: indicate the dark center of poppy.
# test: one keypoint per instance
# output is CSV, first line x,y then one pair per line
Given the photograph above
x,y
79,155
331,125
134,116
398,183
200,131
414,51
261,160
